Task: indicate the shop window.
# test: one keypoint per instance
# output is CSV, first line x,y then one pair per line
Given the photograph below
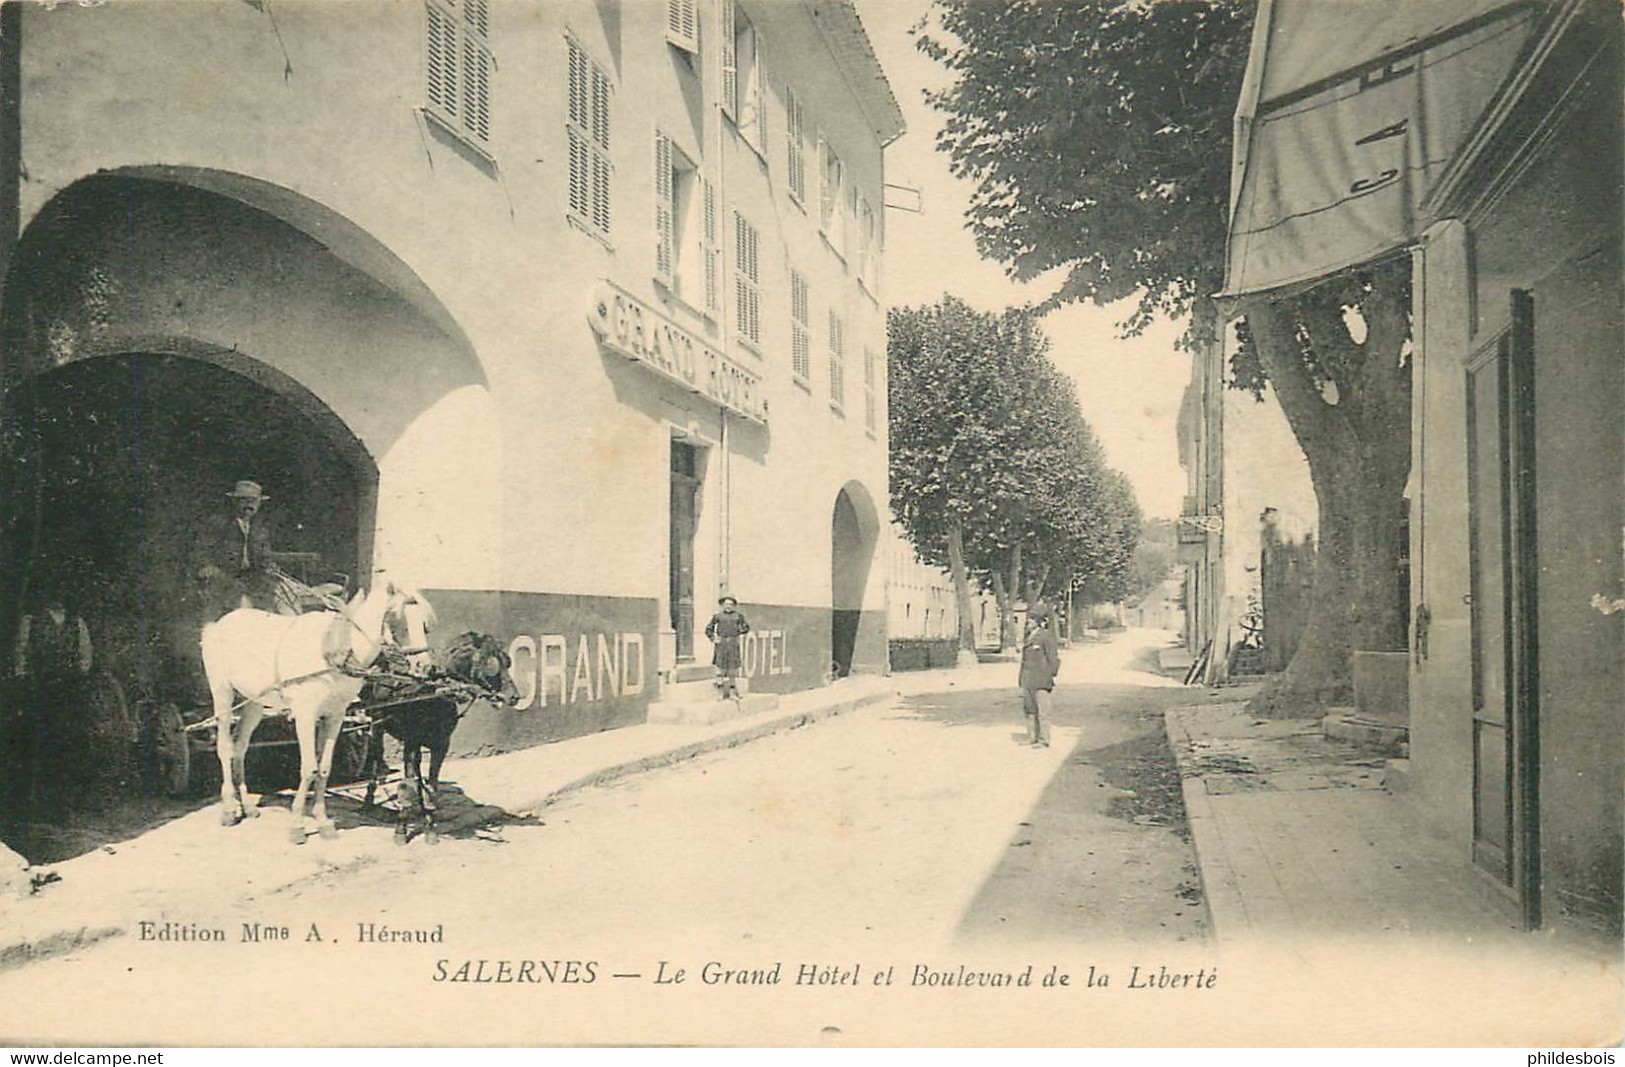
x,y
747,281
800,327
457,67
837,362
587,128
743,94
795,133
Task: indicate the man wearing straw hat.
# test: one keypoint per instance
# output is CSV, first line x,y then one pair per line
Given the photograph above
x,y
232,561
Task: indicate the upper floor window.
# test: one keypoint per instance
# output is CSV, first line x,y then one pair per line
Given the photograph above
x,y
457,66
747,281
868,247
837,361
800,326
743,95
587,127
795,133
682,25
686,258
870,404
832,199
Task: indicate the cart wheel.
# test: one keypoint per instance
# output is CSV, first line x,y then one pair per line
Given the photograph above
x,y
171,764
110,736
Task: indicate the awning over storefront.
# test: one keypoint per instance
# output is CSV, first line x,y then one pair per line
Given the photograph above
x,y
1349,112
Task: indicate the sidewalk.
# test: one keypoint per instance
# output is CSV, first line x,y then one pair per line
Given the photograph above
x,y
1297,838
192,866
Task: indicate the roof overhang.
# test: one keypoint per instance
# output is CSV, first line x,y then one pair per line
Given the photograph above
x,y
843,31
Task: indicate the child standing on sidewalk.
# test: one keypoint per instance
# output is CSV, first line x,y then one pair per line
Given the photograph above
x,y
724,630
1040,660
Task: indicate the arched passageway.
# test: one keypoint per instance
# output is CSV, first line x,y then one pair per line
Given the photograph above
x,y
853,530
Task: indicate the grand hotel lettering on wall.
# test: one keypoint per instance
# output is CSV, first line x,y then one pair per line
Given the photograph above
x,y
631,328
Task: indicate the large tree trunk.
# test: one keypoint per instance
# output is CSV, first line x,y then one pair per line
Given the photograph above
x,y
962,601
1356,438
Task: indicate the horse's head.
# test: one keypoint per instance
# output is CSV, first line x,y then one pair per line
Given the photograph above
x,y
480,660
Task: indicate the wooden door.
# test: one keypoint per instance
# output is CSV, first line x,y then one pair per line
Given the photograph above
x,y
1501,532
685,485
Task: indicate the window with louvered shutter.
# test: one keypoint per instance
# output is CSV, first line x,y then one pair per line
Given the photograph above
x,y
869,405
747,281
727,62
800,326
837,361
832,199
440,61
711,247
682,25
794,132
587,131
457,66
665,211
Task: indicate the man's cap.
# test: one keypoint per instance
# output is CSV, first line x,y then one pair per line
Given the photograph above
x,y
728,600
1040,610
250,490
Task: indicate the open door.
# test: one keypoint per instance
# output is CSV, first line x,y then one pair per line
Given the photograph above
x,y
1505,684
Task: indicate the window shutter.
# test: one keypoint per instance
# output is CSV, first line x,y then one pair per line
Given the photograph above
x,y
441,60
869,405
682,25
837,360
600,107
712,254
476,89
826,187
600,160
730,61
747,280
477,14
800,334
665,228
797,163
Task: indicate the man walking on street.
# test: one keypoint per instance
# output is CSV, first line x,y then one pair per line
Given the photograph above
x,y
1040,661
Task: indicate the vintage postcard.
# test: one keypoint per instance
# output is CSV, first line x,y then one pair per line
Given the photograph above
x,y
811,523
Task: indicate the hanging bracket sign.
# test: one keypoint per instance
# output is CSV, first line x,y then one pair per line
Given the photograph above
x,y
631,328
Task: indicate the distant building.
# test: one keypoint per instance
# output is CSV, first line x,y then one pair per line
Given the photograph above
x,y
921,602
568,312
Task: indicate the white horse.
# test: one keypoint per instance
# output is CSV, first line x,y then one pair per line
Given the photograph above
x,y
300,664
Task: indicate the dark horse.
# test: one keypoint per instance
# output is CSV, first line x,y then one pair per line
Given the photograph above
x,y
421,710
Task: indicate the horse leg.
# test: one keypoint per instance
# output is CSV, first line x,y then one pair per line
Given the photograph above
x,y
412,766
438,746
246,725
331,725
231,804
373,764
304,724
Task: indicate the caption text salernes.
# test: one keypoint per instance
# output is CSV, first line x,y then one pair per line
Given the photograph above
x,y
87,1059
815,975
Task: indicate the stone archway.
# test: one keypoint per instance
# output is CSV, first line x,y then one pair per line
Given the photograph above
x,y
854,528
164,333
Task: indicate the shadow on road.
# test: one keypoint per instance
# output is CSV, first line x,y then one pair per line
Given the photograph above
x,y
459,816
1104,854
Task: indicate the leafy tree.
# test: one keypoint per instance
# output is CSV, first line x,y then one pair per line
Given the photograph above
x,y
995,475
1098,136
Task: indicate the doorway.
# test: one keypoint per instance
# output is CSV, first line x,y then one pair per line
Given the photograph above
x,y
1503,574
686,465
